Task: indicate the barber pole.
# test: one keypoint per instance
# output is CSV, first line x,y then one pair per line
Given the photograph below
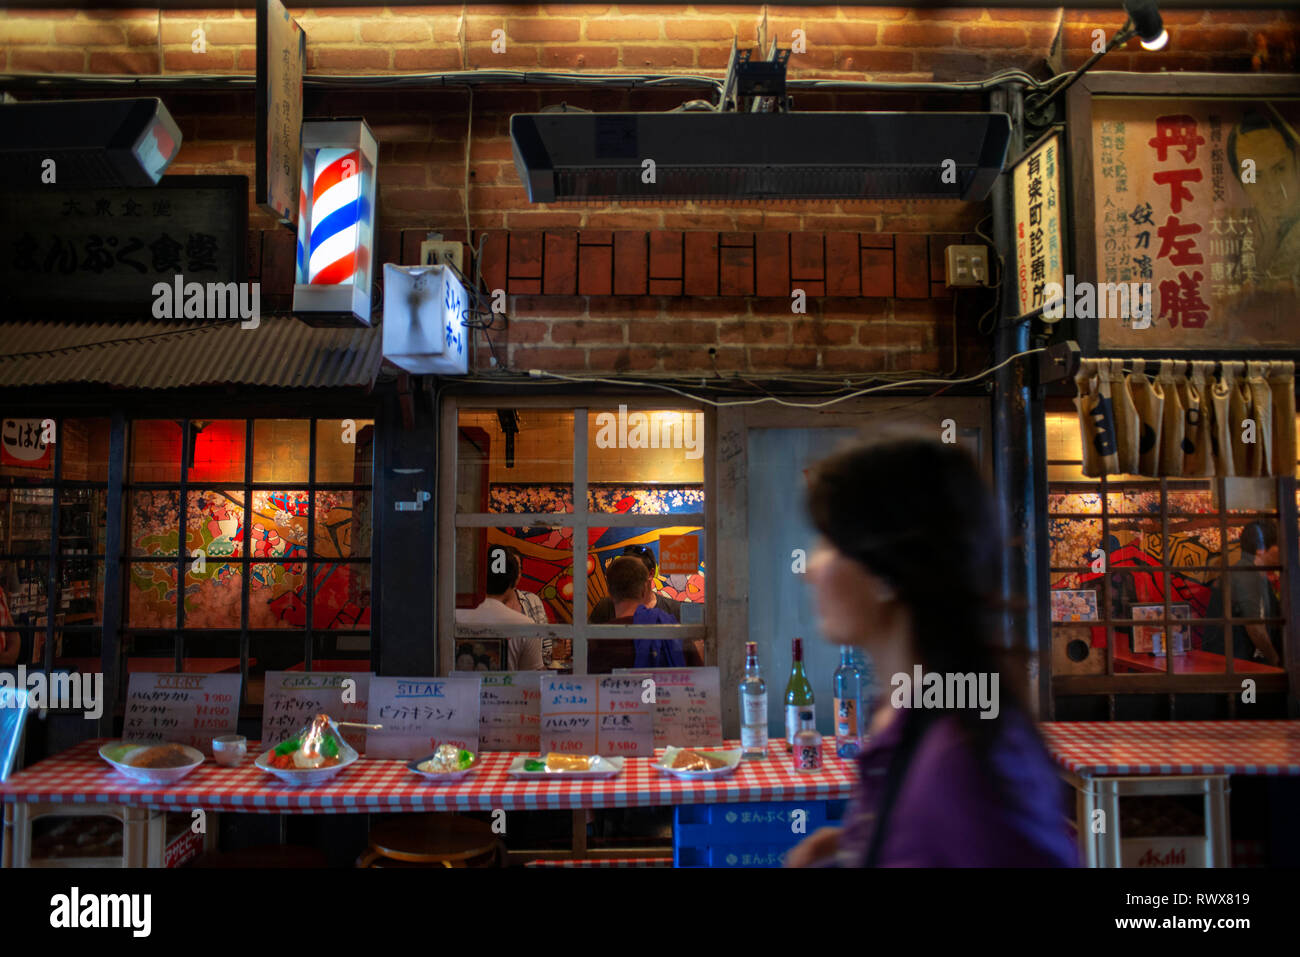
x,y
336,223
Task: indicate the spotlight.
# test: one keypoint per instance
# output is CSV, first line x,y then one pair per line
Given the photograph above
x,y
1147,23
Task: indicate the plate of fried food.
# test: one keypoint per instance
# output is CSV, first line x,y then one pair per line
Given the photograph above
x,y
152,763
449,763
557,765
691,764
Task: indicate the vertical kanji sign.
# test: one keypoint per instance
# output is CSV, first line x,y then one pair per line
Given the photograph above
x,y
1037,184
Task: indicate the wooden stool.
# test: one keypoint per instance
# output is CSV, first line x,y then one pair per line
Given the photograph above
x,y
430,840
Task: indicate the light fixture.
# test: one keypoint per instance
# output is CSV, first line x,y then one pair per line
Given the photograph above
x,y
1148,25
425,310
336,223
1144,22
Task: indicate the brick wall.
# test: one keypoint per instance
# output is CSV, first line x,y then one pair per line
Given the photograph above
x,y
617,327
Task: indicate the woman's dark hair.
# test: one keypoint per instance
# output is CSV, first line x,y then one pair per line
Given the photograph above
x,y
917,514
500,582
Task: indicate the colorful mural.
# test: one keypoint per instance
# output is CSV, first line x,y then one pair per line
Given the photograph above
x,y
630,499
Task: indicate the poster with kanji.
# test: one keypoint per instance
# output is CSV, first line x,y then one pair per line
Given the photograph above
x,y
1200,198
1039,195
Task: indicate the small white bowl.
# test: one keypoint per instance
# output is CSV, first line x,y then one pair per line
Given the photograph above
x,y
229,749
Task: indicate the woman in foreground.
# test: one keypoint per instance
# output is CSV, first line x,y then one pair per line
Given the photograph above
x,y
907,569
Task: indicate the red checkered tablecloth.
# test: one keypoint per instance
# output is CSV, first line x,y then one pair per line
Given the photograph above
x,y
1107,748
80,776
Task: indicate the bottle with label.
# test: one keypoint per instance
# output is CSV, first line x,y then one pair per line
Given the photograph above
x,y
848,704
753,706
807,744
798,697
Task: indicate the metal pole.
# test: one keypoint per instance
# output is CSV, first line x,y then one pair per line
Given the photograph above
x,y
1019,441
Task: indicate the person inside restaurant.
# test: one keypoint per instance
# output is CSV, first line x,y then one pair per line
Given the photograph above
x,y
524,654
603,612
1252,597
632,591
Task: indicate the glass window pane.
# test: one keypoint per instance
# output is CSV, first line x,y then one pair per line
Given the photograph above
x,y
212,597
277,595
279,524
281,450
85,449
1135,541
218,450
1063,437
331,652
155,522
214,524
155,450
1134,500
25,585
78,649
525,465
342,596
1190,498
151,595
645,460
285,652
24,451
148,653
83,520
27,514
210,654
342,524
81,590
677,555
1072,541
345,451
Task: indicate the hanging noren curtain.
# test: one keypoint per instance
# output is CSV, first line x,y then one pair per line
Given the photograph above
x,y
1170,417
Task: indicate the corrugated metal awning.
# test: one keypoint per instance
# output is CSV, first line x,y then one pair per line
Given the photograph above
x,y
279,353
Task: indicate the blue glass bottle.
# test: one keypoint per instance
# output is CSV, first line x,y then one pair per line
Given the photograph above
x,y
849,704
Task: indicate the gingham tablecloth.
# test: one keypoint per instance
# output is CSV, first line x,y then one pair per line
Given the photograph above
x,y
1107,748
80,776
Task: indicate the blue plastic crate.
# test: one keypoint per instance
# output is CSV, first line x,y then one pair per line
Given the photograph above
x,y
745,835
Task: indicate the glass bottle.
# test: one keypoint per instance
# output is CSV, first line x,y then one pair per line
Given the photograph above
x,y
798,696
753,706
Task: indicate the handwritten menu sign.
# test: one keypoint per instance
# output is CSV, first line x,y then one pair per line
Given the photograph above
x,y
597,714
186,709
293,698
510,716
688,706
419,714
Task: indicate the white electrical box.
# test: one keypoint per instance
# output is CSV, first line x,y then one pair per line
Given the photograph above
x,y
966,266
425,311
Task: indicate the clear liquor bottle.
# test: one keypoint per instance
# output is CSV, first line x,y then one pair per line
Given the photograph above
x,y
753,706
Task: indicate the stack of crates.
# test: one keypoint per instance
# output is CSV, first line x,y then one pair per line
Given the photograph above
x,y
746,835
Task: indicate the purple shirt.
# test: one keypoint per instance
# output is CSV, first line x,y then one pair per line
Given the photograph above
x,y
948,814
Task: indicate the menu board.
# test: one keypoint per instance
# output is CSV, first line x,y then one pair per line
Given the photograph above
x,y
293,698
687,708
596,714
510,713
419,714
186,709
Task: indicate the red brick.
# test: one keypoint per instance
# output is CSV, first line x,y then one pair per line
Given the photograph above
x,y
665,255
526,247
780,359
691,28
583,332
724,359
999,38
736,271
701,264
48,61
623,360
854,360
346,58
253,255
843,268
561,264
911,266
630,263
397,30
596,237
578,58
619,28
526,331
432,59
543,219
814,331
763,332
658,56
947,66
812,289
595,269
877,61
279,260
548,306
548,358
481,57
891,335
124,62
1209,39
494,260
917,35
772,264
624,307
523,287
89,34
675,331
807,257
665,287
624,218
16,30
543,30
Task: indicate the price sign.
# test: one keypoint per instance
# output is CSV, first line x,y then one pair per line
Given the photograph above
x,y
597,714
687,708
509,710
419,714
293,698
186,709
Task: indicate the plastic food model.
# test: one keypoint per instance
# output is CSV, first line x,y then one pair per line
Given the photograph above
x,y
446,759
696,761
317,746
